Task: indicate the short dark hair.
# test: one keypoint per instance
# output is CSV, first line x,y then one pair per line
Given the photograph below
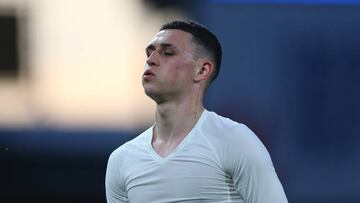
x,y
201,36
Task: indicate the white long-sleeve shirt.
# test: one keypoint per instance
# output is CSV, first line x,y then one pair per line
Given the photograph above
x,y
220,160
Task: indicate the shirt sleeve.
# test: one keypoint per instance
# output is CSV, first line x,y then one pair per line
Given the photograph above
x,y
114,181
248,162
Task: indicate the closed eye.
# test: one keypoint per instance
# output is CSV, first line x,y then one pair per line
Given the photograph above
x,y
164,49
167,52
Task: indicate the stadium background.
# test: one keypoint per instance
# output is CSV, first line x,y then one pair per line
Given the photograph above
x,y
70,90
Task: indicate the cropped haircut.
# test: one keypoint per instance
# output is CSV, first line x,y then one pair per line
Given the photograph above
x,y
202,37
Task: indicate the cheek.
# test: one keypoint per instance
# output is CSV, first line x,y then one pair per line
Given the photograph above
x,y
182,74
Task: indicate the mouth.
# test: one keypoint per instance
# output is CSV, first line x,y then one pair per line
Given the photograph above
x,y
148,73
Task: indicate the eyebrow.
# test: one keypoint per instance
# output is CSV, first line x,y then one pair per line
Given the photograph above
x,y
162,45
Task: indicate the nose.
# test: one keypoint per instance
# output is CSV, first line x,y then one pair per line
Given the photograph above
x,y
152,59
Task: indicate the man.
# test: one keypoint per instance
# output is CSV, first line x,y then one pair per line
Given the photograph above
x,y
189,154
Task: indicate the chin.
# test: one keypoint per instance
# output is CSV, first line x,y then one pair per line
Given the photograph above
x,y
150,92
154,95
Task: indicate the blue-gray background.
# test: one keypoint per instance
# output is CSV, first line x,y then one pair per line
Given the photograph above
x,y
290,72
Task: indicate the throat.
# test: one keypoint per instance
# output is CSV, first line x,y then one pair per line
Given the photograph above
x,y
164,149
170,131
164,143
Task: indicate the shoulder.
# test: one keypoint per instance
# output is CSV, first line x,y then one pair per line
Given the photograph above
x,y
243,156
133,146
226,129
231,137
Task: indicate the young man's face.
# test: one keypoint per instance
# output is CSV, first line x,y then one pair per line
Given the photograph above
x,y
169,68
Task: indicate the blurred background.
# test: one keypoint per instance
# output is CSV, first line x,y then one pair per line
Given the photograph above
x,y
70,89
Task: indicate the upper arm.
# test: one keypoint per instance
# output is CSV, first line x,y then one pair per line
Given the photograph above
x,y
114,181
248,162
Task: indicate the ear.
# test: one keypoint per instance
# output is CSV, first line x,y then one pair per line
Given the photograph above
x,y
203,70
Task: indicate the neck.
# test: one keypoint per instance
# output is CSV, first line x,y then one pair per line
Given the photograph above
x,y
175,119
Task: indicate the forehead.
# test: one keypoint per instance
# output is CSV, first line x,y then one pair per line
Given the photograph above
x,y
177,38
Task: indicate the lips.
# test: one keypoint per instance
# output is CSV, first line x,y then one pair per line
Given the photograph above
x,y
148,73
